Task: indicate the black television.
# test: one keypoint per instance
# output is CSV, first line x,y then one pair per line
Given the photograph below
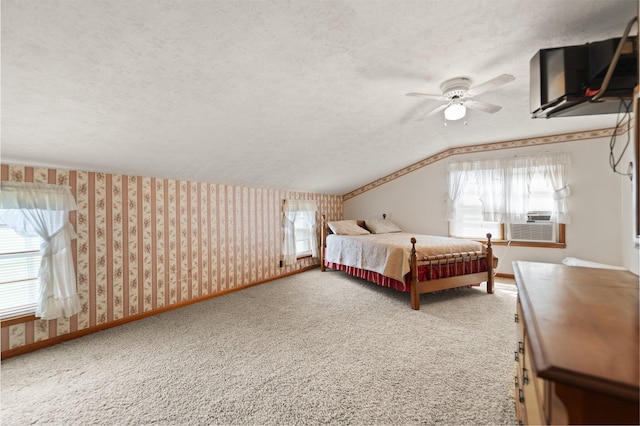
x,y
565,79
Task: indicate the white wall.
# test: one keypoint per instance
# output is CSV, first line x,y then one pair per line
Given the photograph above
x,y
628,237
598,223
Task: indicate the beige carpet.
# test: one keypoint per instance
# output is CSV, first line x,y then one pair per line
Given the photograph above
x,y
314,348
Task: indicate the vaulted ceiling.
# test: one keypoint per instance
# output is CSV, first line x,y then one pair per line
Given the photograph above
x,y
302,95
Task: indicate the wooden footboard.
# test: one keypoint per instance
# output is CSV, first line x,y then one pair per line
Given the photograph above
x,y
420,287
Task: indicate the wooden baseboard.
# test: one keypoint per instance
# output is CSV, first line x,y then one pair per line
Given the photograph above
x,y
500,275
80,333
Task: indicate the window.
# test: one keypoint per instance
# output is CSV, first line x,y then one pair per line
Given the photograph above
x,y
516,199
36,216
470,222
19,264
299,221
303,236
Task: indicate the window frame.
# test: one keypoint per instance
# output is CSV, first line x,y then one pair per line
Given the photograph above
x,y
502,241
533,171
292,211
309,229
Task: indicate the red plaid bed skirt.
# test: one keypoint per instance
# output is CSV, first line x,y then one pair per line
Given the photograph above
x,y
425,273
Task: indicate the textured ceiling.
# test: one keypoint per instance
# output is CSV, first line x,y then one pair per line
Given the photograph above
x,y
302,95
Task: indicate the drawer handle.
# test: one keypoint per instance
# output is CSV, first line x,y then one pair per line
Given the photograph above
x,y
525,376
516,381
516,318
516,355
520,395
521,347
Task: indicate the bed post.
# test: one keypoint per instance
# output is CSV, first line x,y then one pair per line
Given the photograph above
x,y
489,265
415,295
322,242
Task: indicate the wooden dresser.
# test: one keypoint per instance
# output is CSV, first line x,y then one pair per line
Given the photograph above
x,y
577,351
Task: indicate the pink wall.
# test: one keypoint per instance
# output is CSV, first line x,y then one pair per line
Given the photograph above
x,y
147,243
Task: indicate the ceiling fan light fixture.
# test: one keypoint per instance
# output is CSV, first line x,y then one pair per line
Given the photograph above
x,y
455,111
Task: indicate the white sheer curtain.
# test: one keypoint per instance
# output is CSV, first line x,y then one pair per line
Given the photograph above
x,y
43,210
555,171
456,179
504,185
292,210
515,191
491,179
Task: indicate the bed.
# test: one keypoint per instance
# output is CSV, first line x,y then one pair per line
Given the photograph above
x,y
378,251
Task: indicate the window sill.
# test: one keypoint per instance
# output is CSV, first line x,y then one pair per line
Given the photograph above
x,y
20,319
522,243
304,256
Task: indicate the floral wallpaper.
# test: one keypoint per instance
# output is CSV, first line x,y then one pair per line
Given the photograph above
x,y
147,243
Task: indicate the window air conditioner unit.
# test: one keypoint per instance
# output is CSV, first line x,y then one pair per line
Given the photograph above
x,y
538,228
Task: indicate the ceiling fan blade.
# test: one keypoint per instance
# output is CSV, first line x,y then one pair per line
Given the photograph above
x,y
424,95
488,85
434,111
482,106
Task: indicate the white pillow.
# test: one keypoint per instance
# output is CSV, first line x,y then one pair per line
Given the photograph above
x,y
347,227
381,226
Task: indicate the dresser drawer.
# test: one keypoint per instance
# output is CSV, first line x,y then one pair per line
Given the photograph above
x,y
533,389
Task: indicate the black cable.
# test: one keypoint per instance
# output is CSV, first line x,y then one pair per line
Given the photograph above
x,y
614,61
613,163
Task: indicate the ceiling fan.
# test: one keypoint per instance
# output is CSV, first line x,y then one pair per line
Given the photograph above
x,y
457,94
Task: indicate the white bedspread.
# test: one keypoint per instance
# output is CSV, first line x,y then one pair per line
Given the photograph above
x,y
389,254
